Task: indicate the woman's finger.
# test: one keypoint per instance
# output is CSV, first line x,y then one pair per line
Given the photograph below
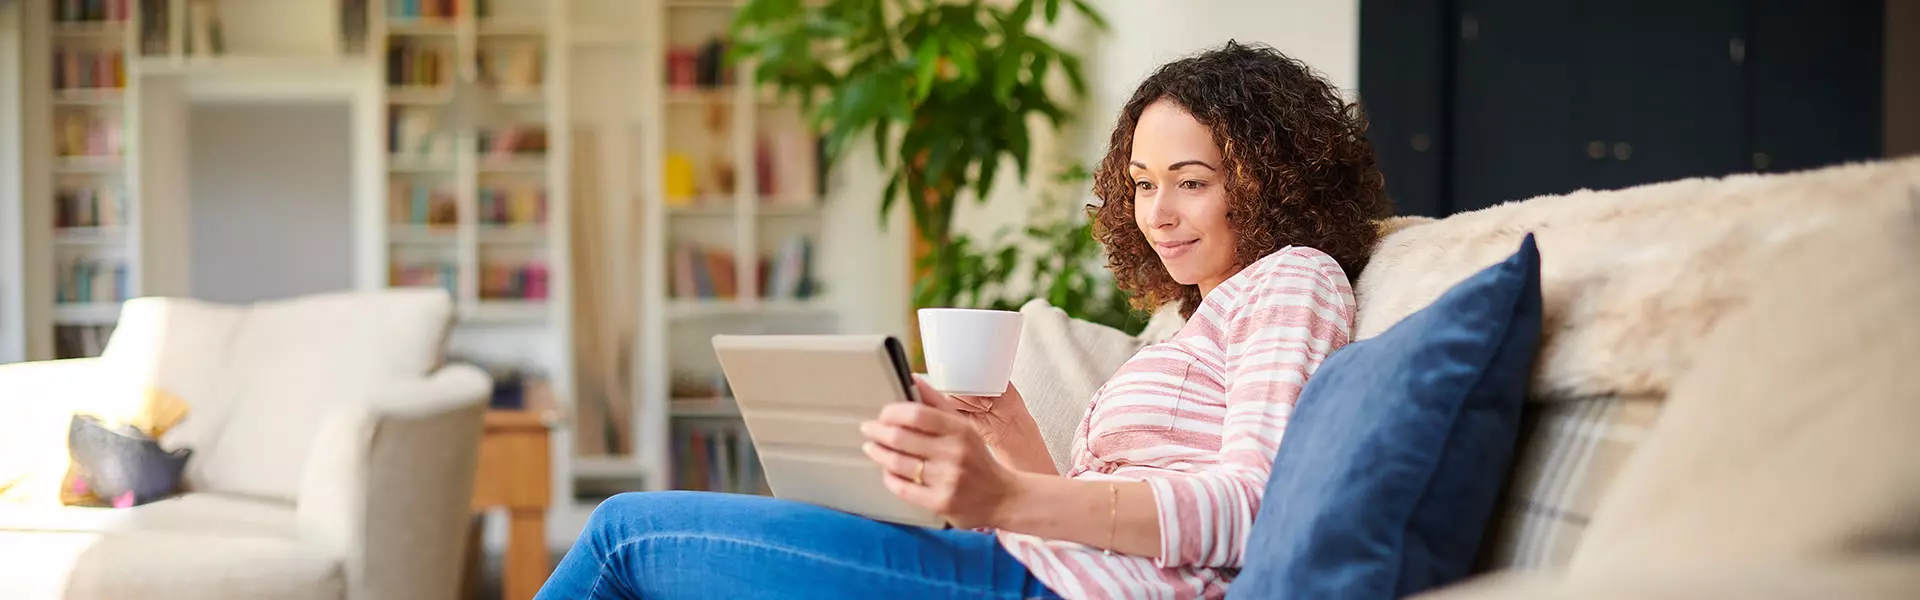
x,y
918,495
932,397
895,462
900,439
923,418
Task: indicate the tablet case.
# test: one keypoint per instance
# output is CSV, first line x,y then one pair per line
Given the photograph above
x,y
803,398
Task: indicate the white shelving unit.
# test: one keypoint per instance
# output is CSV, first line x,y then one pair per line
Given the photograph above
x,y
667,166
710,164
82,176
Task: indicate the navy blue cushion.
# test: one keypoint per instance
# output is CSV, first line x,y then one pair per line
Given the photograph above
x,y
1399,447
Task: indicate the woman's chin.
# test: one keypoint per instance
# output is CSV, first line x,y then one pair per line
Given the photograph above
x,y
1181,276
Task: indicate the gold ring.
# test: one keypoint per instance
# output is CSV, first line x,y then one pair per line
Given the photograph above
x,y
919,470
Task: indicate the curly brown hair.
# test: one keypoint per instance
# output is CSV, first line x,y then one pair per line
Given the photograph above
x,y
1300,170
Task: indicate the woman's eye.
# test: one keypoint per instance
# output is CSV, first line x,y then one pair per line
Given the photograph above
x,y
1191,184
1143,185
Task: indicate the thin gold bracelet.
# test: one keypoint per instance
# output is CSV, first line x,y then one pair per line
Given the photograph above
x,y
1113,514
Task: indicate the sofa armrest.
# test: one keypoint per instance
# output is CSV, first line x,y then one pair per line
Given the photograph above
x,y
57,385
388,487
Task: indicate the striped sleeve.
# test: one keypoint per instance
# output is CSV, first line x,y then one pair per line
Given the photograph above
x,y
1274,331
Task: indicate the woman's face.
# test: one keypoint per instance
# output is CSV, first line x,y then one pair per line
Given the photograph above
x,y
1180,196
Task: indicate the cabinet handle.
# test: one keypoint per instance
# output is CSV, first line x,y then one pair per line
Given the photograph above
x,y
1420,142
1622,150
1761,161
1737,50
1469,28
1596,149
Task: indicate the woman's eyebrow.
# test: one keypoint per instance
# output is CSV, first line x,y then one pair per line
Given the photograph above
x,y
1177,166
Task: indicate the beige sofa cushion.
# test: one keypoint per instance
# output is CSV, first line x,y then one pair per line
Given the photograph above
x,y
186,513
160,565
180,346
1874,578
189,546
1797,433
1062,361
293,362
1634,278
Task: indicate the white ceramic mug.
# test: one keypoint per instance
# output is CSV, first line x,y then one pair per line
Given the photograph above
x,y
969,351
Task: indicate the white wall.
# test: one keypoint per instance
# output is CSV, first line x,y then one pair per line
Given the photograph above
x,y
13,339
1141,36
1144,35
271,190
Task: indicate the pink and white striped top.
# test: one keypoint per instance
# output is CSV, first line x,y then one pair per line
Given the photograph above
x,y
1198,417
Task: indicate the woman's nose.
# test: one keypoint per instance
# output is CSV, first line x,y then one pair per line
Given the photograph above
x,y
1161,214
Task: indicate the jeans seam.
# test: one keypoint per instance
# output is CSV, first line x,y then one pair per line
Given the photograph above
x,y
818,557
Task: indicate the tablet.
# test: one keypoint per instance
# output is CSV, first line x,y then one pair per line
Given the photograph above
x,y
803,398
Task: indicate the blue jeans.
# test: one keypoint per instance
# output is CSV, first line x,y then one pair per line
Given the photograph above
x,y
703,545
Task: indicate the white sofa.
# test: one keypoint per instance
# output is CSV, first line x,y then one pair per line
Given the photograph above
x,y
333,454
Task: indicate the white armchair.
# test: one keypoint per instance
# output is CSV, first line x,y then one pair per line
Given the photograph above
x,y
333,455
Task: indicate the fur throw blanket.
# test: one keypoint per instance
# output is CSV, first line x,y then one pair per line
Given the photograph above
x,y
1633,279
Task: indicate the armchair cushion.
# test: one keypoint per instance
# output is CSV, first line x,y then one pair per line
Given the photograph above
x,y
292,362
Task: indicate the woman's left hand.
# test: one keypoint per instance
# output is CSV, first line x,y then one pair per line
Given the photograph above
x,y
935,460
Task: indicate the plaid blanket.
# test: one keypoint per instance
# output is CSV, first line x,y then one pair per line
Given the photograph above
x,y
1571,450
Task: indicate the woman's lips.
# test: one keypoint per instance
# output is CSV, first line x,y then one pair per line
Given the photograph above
x,y
1174,249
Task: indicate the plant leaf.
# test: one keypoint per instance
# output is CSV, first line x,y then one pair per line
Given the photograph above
x,y
881,138
926,64
1093,16
1053,10
989,167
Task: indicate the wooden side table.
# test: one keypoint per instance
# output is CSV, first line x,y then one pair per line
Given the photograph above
x,y
515,475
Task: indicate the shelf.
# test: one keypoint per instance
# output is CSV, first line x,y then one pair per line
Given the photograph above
x,y
607,467
90,313
795,209
711,4
278,66
508,311
88,29
601,35
704,408
421,235
89,97
419,95
683,308
410,164
512,27
90,236
489,164
422,27
726,206
705,207
88,164
524,234
520,96
698,96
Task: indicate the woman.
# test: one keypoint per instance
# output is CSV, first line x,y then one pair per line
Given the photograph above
x,y
1238,184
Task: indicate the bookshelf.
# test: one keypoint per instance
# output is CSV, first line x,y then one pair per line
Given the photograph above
x,y
82,207
708,192
727,193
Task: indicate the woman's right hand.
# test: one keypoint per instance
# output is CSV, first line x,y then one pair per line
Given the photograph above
x,y
1002,421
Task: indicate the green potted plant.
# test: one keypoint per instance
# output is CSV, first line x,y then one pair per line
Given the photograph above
x,y
1054,259
944,88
